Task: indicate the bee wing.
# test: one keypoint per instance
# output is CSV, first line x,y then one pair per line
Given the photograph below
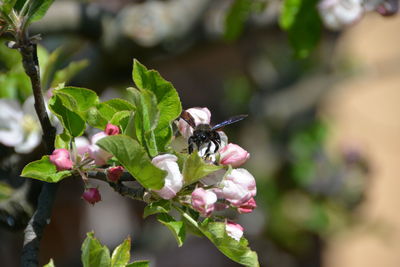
x,y
229,121
188,118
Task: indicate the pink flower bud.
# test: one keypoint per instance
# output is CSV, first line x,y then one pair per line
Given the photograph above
x,y
234,230
91,195
203,201
233,155
111,129
114,173
61,158
174,179
238,187
99,155
248,207
200,116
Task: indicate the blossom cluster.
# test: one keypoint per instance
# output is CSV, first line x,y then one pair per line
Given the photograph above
x,y
222,189
337,14
228,187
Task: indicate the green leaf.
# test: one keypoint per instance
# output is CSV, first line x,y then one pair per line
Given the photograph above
x,y
48,65
176,227
146,119
50,264
168,102
71,121
64,75
44,170
120,104
7,6
38,9
83,98
5,191
142,263
121,254
236,18
301,20
135,160
235,250
95,118
162,206
62,140
196,168
94,254
121,117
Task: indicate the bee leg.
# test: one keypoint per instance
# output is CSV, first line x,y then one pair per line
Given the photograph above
x,y
207,154
190,145
216,143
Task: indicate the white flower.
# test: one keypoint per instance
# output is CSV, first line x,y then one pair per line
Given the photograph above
x,y
238,187
336,14
19,127
173,180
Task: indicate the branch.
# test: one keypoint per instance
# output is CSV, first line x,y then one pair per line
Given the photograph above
x,y
34,230
136,193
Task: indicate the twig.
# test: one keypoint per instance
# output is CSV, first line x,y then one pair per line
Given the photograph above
x,y
136,193
41,217
133,193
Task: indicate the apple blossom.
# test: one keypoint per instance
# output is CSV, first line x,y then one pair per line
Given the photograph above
x,y
174,179
61,159
234,230
336,14
111,129
114,173
238,187
248,207
234,155
91,195
99,155
19,127
203,201
200,116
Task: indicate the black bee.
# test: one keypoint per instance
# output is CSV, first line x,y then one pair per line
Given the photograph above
x,y
204,133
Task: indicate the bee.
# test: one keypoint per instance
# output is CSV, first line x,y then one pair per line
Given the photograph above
x,y
205,134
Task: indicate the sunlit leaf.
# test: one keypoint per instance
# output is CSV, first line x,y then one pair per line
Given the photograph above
x,y
44,170
50,264
62,140
238,251
121,254
135,160
196,168
94,254
142,263
168,101
162,206
176,227
71,121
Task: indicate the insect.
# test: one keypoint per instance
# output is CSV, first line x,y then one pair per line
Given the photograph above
x,y
205,134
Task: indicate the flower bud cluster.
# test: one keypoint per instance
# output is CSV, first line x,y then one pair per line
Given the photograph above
x,y
222,189
90,152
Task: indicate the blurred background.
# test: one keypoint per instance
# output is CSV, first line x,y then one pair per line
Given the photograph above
x,y
323,130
